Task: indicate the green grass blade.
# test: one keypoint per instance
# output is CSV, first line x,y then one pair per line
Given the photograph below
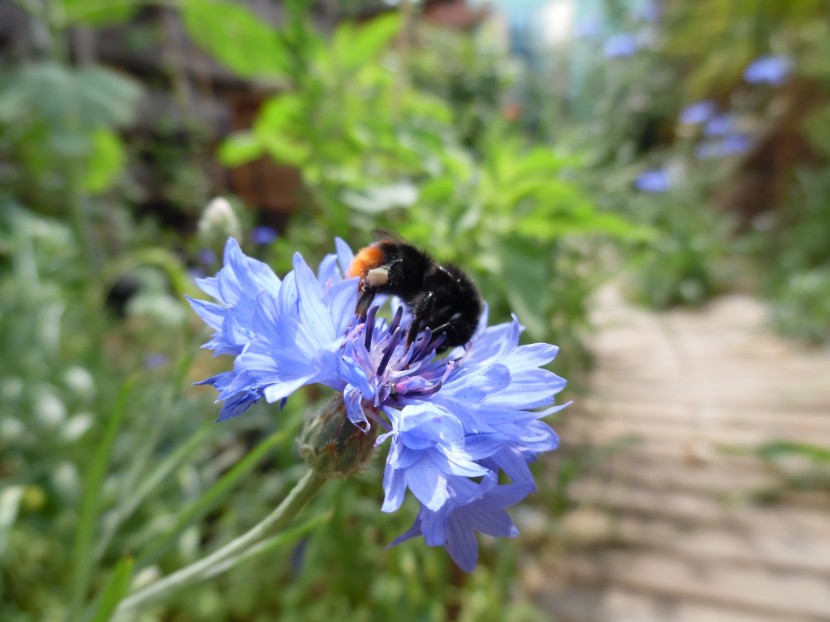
x,y
269,544
83,550
10,499
115,590
158,475
778,449
212,497
9,504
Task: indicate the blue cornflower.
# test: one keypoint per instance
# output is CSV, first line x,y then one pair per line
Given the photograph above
x,y
719,125
619,45
768,69
587,28
453,424
207,257
650,12
156,360
732,144
263,235
697,113
475,507
656,180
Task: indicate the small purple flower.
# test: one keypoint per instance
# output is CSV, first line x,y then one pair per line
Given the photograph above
x,y
156,360
768,69
620,45
650,12
697,113
656,180
732,144
263,235
455,425
587,29
719,125
207,257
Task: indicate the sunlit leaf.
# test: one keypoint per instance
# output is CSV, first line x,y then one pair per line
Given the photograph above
x,y
97,12
354,46
236,37
105,163
240,148
382,198
115,590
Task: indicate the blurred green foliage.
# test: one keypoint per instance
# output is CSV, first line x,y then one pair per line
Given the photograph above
x,y
791,242
443,173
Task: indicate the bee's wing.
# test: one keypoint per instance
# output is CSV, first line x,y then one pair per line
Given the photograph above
x,y
382,235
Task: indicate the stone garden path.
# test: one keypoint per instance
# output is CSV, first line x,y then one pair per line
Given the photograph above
x,y
679,519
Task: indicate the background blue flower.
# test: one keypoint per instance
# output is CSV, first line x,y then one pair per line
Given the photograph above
x,y
656,180
620,45
768,69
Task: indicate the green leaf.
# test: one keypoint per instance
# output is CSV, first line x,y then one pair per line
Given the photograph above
x,y
276,129
381,198
106,97
286,149
354,47
211,498
96,12
239,148
782,449
269,544
90,98
115,590
236,37
281,112
160,474
529,288
82,553
9,503
105,163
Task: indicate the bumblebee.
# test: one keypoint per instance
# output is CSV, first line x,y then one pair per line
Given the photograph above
x,y
441,297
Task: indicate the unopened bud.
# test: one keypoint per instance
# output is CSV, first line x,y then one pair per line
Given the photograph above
x,y
218,223
333,445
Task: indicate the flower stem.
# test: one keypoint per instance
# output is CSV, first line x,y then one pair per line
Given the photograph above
x,y
301,494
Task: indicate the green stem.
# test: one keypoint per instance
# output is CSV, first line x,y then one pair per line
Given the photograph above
x,y
301,494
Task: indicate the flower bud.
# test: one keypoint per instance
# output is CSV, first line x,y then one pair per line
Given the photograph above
x,y
218,223
333,445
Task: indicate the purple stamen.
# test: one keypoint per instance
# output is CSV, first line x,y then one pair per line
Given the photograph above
x,y
417,350
373,416
390,348
437,342
433,388
396,321
370,326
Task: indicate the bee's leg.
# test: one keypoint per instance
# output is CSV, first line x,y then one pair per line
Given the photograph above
x,y
364,302
420,309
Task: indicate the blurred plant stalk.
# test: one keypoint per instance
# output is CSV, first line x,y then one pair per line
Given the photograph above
x,y
232,553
